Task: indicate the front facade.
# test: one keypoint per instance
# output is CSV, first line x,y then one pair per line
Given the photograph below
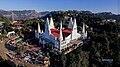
x,y
60,39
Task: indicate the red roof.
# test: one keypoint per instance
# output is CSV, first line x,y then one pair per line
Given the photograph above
x,y
55,32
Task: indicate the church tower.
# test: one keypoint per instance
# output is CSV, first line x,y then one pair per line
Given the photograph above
x,y
70,23
51,24
39,31
74,30
84,32
60,36
75,26
47,29
83,29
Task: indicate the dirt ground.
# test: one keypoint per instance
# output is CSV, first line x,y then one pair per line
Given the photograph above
x,y
3,49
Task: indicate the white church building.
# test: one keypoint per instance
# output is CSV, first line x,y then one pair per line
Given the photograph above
x,y
60,39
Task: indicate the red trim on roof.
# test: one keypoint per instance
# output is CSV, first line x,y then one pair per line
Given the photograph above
x,y
66,31
54,30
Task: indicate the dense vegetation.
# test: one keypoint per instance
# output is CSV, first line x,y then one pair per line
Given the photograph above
x,y
6,26
104,43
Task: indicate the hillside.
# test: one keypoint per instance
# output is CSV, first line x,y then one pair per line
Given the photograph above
x,y
4,19
29,14
109,15
104,41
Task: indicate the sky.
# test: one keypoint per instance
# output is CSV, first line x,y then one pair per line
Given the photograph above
x,y
54,5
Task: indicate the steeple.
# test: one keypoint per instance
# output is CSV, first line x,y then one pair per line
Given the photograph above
x,y
83,29
47,29
86,34
39,31
60,34
51,23
42,31
74,26
70,23
74,30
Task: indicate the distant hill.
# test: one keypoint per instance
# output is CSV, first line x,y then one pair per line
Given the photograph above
x,y
106,15
29,14
109,15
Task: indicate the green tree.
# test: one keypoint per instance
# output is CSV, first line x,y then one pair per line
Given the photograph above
x,y
63,60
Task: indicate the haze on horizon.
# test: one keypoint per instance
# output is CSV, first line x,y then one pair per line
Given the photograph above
x,y
53,5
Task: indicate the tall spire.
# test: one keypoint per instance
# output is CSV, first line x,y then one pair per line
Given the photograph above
x,y
42,31
47,20
39,31
86,34
74,30
83,29
47,29
60,35
75,26
70,23
51,23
